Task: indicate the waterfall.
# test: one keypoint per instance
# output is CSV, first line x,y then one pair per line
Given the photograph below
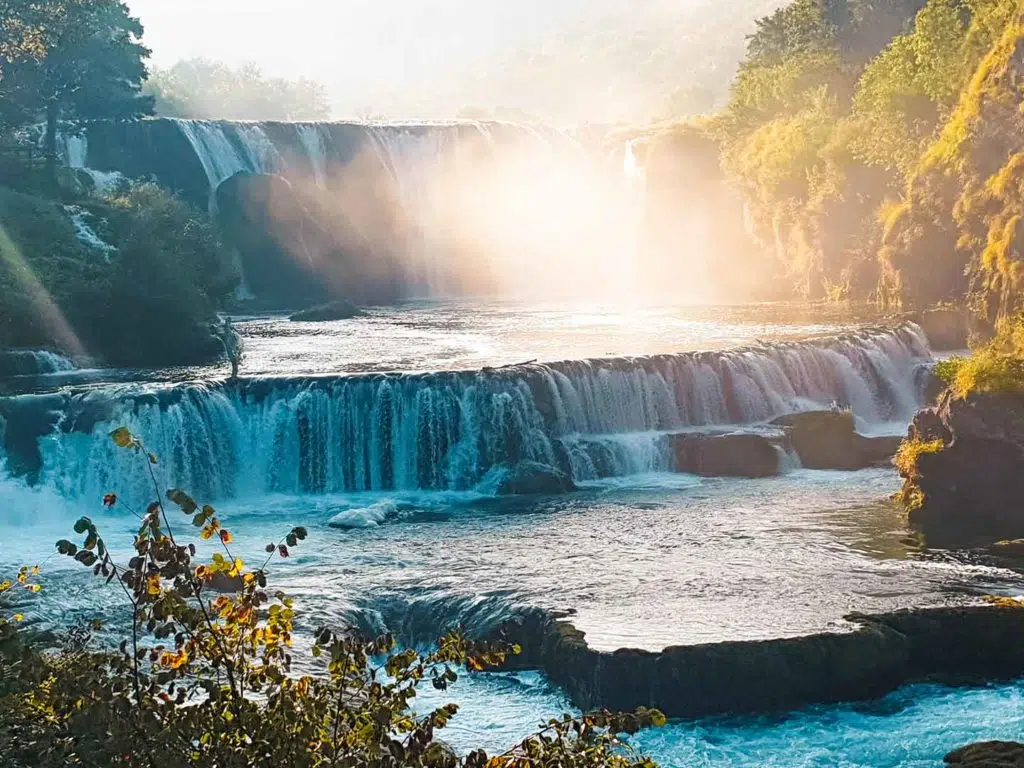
x,y
86,234
592,418
314,142
74,150
224,149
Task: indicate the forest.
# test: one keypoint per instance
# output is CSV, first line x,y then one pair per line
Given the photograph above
x,y
876,146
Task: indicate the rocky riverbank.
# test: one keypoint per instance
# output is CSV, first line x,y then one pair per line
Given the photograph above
x,y
882,653
963,469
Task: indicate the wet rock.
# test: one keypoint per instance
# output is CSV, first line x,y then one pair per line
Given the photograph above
x,y
968,492
529,478
1009,548
829,440
988,754
335,310
883,653
732,455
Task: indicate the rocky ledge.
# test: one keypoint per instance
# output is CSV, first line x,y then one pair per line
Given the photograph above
x,y
882,653
964,477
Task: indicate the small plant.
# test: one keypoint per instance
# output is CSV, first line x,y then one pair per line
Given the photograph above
x,y
203,675
907,456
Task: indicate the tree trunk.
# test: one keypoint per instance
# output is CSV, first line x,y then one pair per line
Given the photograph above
x,y
50,144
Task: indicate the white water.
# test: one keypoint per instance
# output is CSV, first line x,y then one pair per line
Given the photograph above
x,y
75,151
86,234
34,362
445,431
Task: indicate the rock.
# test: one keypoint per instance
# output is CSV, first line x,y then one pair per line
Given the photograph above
x,y
528,478
829,440
1009,548
883,653
988,754
335,310
733,455
968,492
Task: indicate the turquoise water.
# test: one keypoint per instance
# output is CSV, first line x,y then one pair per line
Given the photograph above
x,y
914,727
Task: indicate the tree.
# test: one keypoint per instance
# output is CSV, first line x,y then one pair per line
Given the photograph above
x,y
203,89
71,60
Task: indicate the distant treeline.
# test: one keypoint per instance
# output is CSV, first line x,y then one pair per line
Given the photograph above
x,y
204,89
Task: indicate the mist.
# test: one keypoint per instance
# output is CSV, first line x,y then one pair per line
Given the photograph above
x,y
570,61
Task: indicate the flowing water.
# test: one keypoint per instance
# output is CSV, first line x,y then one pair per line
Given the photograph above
x,y
382,435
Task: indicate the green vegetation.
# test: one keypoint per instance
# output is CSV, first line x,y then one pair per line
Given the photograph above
x,y
910,451
877,146
995,366
69,60
203,674
147,301
202,89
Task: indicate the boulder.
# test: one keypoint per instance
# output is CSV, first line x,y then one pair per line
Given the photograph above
x,y
965,489
829,440
988,754
334,310
732,455
529,478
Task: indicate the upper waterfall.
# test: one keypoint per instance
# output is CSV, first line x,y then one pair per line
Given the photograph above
x,y
380,211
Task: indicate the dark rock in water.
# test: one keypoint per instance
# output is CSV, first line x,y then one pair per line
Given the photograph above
x,y
733,455
1009,548
335,310
966,487
829,440
988,754
883,653
530,477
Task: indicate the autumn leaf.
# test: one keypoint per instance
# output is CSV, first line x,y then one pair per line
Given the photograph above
x,y
122,437
225,536
110,500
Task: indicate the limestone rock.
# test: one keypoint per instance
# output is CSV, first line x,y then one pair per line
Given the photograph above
x,y
731,455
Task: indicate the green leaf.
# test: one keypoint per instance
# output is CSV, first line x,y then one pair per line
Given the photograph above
x,y
300,533
65,547
152,458
85,557
82,525
291,540
183,500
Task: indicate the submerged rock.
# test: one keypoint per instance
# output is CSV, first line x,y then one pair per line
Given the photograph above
x,y
733,455
964,483
527,478
335,310
988,754
881,654
829,440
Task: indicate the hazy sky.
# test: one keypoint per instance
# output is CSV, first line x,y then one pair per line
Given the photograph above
x,y
392,55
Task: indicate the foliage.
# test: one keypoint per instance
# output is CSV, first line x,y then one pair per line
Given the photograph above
x,y
203,89
906,460
148,304
204,674
70,60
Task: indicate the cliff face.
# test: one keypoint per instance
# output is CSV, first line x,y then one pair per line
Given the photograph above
x,y
959,229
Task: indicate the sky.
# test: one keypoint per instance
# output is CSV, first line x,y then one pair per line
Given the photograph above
x,y
387,55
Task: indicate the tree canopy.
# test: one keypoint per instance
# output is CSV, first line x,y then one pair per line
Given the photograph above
x,y
199,88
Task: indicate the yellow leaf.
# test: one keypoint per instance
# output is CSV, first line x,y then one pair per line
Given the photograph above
x,y
153,585
122,437
19,617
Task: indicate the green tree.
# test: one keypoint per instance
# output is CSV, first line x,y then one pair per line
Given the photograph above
x,y
71,60
204,89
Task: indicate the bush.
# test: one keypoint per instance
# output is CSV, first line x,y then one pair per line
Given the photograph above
x,y
996,366
203,676
146,302
911,496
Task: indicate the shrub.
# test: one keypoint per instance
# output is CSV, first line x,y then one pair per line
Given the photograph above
x,y
910,451
203,676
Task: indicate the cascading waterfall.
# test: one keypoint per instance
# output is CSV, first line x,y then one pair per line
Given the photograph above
x,y
33,362
593,418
